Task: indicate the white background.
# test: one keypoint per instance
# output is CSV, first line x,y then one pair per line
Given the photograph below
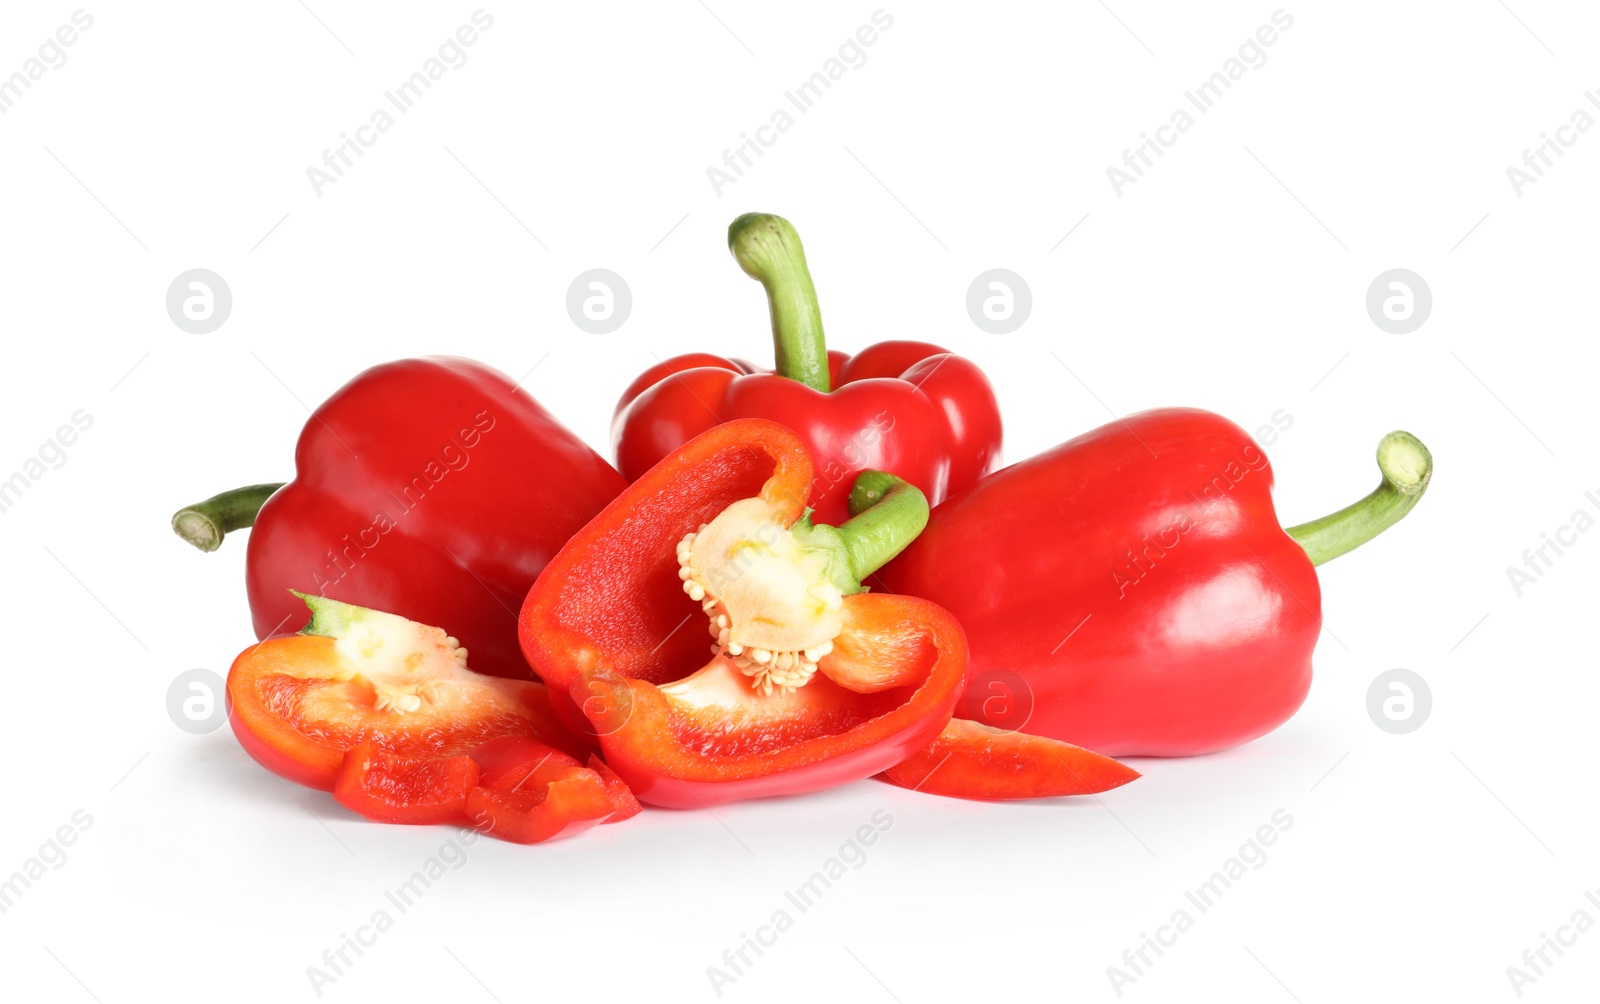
x,y
1232,276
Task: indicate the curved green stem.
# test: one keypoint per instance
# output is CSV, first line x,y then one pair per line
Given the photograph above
x,y
768,249
204,524
886,514
1407,467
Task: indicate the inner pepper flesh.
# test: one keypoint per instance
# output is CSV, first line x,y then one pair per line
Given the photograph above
x,y
774,610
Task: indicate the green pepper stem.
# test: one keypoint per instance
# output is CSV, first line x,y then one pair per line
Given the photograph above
x,y
886,514
768,249
204,524
1407,467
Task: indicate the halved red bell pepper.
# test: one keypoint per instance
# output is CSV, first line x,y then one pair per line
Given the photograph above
x,y
354,676
909,408
811,682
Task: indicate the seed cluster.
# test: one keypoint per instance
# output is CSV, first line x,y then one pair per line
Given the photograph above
x,y
767,669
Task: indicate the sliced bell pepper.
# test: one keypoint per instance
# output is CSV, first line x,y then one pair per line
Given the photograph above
x,y
811,682
354,676
435,488
973,760
530,793
909,408
393,788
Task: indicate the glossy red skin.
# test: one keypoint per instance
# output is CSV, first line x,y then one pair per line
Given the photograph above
x,y
610,656
1209,648
909,408
968,760
398,789
461,551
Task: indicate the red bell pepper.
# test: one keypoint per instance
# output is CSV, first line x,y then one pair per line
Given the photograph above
x,y
909,408
811,682
1136,587
399,690
434,488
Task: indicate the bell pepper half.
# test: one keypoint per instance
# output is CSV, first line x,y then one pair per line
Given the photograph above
x,y
811,682
355,677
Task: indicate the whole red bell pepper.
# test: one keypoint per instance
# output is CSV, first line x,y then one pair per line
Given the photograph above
x,y
909,408
810,683
434,488
1132,591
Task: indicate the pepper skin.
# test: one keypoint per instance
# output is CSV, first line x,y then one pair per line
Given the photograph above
x,y
876,681
1136,581
905,407
972,760
434,488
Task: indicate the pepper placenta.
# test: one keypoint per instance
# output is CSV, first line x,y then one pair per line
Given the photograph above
x,y
904,407
811,681
434,488
1134,588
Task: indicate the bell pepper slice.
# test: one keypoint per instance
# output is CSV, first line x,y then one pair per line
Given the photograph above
x,y
532,793
972,760
299,704
393,788
812,681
